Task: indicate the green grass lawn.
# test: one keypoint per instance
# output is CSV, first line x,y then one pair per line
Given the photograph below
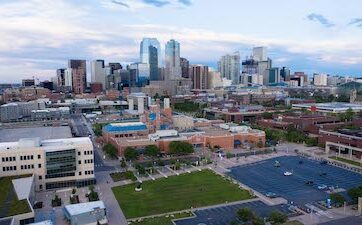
x,y
163,220
14,207
177,193
346,161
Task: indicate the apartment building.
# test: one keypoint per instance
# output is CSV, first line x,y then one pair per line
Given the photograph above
x,y
55,163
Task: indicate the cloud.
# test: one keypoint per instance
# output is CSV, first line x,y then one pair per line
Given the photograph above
x,y
320,19
120,3
356,22
185,2
157,3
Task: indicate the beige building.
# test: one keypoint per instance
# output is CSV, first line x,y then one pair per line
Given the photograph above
x,y
55,163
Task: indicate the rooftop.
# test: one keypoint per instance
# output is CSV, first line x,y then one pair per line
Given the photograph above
x,y
129,126
50,145
46,222
10,135
86,207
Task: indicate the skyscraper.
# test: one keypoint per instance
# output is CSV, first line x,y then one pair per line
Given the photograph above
x,y
61,77
199,75
98,72
153,63
79,75
144,50
172,60
229,67
260,53
273,75
185,66
285,74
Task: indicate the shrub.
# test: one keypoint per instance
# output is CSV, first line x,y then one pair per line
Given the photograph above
x,y
181,148
130,153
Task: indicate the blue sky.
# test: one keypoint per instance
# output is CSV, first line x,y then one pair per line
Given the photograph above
x,y
38,36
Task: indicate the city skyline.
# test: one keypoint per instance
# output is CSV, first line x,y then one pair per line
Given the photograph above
x,y
38,37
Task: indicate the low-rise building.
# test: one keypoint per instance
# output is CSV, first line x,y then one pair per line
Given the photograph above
x,y
55,163
88,213
332,107
128,129
343,143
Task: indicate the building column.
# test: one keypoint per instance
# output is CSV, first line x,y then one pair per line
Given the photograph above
x,y
350,153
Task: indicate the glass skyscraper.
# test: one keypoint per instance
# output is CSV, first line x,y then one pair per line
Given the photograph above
x,y
144,50
172,59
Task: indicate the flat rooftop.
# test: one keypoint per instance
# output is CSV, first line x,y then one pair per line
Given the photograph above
x,y
331,106
81,208
10,135
50,145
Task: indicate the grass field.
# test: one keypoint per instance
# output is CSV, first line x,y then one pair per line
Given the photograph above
x,y
176,193
346,161
164,220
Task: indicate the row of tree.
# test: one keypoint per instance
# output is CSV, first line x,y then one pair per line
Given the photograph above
x,y
247,216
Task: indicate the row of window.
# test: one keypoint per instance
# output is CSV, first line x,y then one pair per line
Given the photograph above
x,y
22,157
87,161
88,152
9,168
27,167
87,172
8,159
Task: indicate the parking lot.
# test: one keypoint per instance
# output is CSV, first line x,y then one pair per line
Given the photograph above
x,y
264,177
226,214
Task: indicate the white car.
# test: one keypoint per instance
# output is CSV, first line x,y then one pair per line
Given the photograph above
x,y
322,187
287,173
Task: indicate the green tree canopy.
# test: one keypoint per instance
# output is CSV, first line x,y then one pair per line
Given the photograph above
x,y
152,150
245,214
110,150
277,217
130,153
181,148
354,193
337,198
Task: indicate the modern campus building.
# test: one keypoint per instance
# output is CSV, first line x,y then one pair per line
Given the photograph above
x,y
55,163
344,143
333,107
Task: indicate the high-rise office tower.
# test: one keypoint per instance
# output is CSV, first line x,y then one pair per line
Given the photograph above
x,y
199,75
98,72
285,74
153,63
172,60
229,67
260,53
61,77
320,79
141,72
79,75
273,75
185,66
144,50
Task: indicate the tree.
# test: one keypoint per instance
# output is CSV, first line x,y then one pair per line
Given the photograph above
x,y
257,221
354,193
140,169
181,148
152,150
276,217
245,214
110,150
267,115
349,114
337,198
130,153
123,163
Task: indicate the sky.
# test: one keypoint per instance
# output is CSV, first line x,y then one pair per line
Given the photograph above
x,y
39,36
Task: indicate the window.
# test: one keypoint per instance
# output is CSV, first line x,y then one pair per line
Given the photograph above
x,y
39,165
40,177
39,156
32,166
80,173
79,162
41,187
79,153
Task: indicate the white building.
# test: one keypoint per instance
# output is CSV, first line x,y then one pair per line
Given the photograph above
x,y
88,213
260,53
320,79
55,163
98,72
229,67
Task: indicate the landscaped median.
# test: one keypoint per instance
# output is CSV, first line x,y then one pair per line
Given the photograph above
x,y
177,193
348,161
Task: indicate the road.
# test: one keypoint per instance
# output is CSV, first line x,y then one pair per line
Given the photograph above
x,y
83,129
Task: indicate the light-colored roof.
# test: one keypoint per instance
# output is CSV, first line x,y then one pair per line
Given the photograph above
x,y
76,209
23,186
48,145
46,222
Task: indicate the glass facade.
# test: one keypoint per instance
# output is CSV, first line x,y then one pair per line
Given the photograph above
x,y
59,163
